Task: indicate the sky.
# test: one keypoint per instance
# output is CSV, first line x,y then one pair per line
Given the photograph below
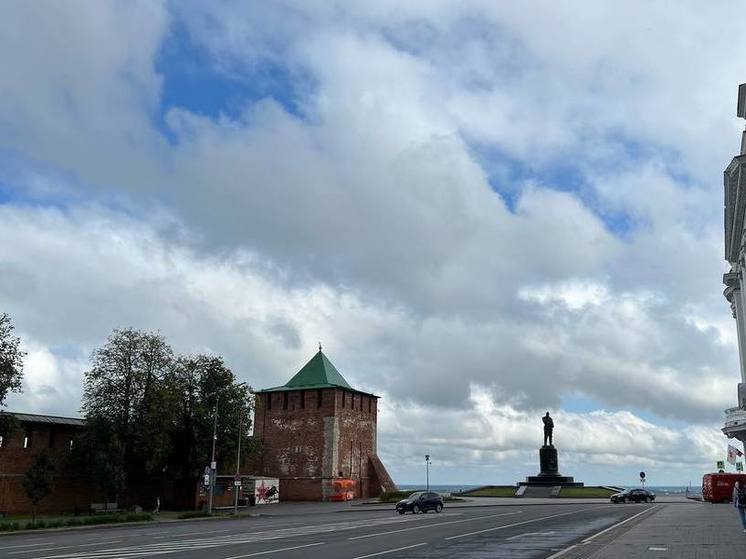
x,y
483,210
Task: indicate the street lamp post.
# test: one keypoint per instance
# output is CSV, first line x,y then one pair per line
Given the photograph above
x,y
237,478
427,470
213,466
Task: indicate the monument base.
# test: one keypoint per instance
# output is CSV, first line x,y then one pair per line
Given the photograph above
x,y
549,475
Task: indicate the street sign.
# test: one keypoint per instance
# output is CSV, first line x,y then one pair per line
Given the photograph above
x,y
237,483
214,465
206,479
207,470
739,466
642,475
237,477
721,465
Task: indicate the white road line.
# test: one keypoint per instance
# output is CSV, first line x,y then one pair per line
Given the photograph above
x,y
431,525
387,551
183,543
274,550
46,542
530,534
177,534
561,553
32,550
586,541
496,528
594,536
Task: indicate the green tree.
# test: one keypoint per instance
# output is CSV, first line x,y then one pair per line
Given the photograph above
x,y
202,382
39,480
129,406
11,359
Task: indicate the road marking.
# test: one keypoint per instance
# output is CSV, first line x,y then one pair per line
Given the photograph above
x,y
594,536
530,534
655,548
591,538
431,525
46,542
517,524
562,552
177,534
220,540
389,551
274,550
56,547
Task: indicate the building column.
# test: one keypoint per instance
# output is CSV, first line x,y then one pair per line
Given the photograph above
x,y
740,317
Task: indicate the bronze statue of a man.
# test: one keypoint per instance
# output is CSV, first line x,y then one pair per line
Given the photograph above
x,y
548,428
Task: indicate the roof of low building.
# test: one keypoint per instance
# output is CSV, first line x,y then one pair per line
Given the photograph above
x,y
319,372
53,419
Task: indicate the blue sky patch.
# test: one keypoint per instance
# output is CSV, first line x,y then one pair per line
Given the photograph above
x,y
193,80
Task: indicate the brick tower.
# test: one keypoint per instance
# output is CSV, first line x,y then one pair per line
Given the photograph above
x,y
317,429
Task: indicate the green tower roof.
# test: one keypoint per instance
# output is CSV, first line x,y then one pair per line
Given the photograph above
x,y
319,372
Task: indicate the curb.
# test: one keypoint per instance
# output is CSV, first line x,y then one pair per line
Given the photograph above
x,y
153,523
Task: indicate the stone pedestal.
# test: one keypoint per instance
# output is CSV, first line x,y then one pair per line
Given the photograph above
x,y
549,474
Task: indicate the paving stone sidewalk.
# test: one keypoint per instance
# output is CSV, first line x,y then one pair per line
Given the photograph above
x,y
697,531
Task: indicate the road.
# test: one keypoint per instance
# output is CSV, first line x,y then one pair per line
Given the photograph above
x,y
504,531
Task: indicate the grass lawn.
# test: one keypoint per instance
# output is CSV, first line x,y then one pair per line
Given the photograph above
x,y
586,492
492,491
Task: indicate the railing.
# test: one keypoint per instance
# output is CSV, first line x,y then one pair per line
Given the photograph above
x,y
735,417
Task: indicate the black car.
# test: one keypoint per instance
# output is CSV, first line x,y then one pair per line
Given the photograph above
x,y
420,501
633,496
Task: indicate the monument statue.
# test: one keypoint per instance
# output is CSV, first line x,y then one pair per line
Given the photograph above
x,y
549,479
548,428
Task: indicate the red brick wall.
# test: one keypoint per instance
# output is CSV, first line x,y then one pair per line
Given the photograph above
x,y
71,491
307,442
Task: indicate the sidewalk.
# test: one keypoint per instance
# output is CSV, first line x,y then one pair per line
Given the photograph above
x,y
699,531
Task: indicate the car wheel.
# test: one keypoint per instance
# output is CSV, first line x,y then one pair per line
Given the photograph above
x,y
438,508
416,509
648,499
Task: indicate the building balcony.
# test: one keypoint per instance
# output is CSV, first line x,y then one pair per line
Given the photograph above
x,y
735,423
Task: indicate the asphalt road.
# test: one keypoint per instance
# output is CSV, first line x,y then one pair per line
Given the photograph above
x,y
506,532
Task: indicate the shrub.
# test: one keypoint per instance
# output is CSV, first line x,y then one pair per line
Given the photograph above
x,y
193,514
9,526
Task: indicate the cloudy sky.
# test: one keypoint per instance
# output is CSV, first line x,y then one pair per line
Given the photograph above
x,y
482,209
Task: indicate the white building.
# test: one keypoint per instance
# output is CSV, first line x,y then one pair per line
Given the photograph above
x,y
735,254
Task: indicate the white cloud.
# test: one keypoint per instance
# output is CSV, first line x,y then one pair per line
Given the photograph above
x,y
367,218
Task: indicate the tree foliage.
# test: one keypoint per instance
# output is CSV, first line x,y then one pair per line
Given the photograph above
x,y
203,383
11,359
150,413
39,479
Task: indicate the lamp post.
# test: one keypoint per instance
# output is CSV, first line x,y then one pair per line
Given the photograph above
x,y
237,478
427,470
213,465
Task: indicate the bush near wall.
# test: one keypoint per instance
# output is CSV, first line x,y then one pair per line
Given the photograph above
x,y
12,526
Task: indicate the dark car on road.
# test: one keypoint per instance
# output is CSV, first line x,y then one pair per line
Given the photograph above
x,y
420,501
633,496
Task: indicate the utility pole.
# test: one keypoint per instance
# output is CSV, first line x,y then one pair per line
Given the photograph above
x,y
213,465
427,470
237,478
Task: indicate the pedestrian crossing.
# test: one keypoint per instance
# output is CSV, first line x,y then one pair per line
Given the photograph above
x,y
192,544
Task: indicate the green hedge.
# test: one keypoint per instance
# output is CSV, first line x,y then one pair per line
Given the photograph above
x,y
194,514
75,521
